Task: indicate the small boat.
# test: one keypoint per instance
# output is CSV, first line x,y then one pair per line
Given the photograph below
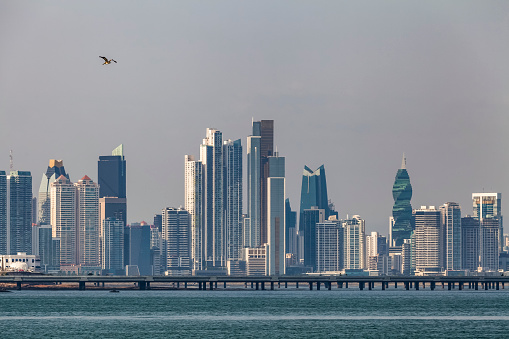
x,y
114,291
4,290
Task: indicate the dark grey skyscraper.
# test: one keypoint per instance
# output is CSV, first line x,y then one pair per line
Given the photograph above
x,y
310,217
139,247
314,190
290,228
3,213
177,241
19,211
112,174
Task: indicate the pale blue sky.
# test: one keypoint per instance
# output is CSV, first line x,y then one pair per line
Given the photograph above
x,y
350,84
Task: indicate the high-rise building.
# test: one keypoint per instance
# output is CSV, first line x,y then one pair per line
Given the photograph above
x,y
19,212
112,243
265,129
252,223
46,247
428,235
63,218
470,243
54,171
194,191
450,214
310,218
211,156
402,210
329,246
314,190
354,243
139,247
488,206
88,225
232,190
276,186
177,241
112,174
290,229
3,212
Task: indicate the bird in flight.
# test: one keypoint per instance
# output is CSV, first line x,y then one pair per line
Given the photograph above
x,y
106,61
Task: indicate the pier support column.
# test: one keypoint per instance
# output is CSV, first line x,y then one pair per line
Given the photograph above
x,y
476,285
423,285
502,285
263,286
148,285
199,286
442,285
395,285
416,285
361,286
485,286
432,285
257,287
383,286
211,285
318,286
204,284
460,286
370,286
407,285
286,284
224,286
346,284
272,286
141,284
329,286
81,285
297,284
178,285
449,286
310,286
18,285
251,284
278,284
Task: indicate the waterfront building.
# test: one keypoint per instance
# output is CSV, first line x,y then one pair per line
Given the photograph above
x,y
63,218
177,241
139,247
55,170
470,243
3,212
112,245
21,261
450,214
276,191
310,218
489,206
290,229
428,256
46,247
232,190
88,225
375,244
255,259
314,191
194,191
19,212
354,243
329,245
211,156
252,222
401,224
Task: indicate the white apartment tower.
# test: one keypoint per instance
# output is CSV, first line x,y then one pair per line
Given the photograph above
x,y
88,225
63,218
194,205
354,243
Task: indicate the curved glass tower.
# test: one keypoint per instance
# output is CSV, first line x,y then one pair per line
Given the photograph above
x,y
402,210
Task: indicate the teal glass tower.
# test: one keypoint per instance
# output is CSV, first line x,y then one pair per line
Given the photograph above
x,y
402,210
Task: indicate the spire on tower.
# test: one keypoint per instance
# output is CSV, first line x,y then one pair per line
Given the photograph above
x,y
403,162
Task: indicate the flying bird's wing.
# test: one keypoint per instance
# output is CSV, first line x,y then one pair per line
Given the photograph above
x,y
113,61
104,58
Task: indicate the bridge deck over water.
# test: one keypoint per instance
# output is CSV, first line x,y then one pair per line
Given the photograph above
x,y
265,282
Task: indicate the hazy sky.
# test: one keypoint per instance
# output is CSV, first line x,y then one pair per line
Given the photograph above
x,y
350,84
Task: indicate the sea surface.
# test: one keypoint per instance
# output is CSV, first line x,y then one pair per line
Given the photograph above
x,y
283,313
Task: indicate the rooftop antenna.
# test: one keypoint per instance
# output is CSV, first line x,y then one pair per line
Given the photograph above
x,y
11,162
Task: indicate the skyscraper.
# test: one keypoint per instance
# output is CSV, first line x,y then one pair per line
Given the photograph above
x,y
310,218
329,246
88,225
19,212
177,241
428,254
450,214
54,171
252,223
314,190
290,229
265,129
276,186
354,243
402,210
139,247
211,156
488,206
470,243
63,218
194,205
3,213
112,251
232,190
112,174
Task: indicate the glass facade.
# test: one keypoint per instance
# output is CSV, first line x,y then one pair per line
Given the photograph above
x,y
19,195
314,190
3,212
402,210
276,215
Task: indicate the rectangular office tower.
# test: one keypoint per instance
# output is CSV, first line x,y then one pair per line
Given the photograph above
x,y
428,240
489,206
177,241
276,186
253,220
211,156
112,245
19,212
194,205
63,218
450,214
3,212
232,165
329,246
88,224
310,217
354,243
112,174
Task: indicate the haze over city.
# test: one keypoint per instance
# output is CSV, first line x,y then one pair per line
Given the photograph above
x,y
349,85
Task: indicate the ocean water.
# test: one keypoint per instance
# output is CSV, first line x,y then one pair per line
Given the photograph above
x,y
284,313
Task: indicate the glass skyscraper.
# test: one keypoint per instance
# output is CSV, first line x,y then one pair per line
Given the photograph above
x,y
314,190
3,213
450,214
54,171
19,212
276,215
402,210
112,174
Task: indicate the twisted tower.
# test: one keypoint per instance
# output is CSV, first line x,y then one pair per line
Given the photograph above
x,y
402,210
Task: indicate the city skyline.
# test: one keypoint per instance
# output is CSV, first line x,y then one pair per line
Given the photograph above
x,y
361,85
